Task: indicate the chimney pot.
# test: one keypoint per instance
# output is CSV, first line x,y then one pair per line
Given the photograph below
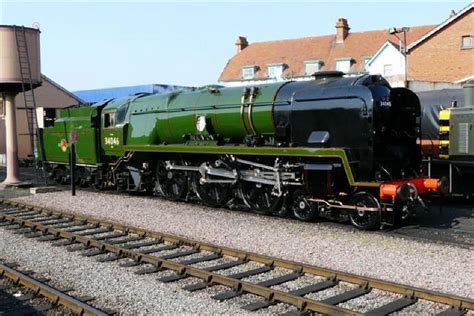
x,y
342,30
241,43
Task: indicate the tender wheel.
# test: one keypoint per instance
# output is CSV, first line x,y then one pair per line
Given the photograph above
x,y
259,198
99,185
301,208
83,182
365,220
171,184
59,175
211,194
64,180
56,177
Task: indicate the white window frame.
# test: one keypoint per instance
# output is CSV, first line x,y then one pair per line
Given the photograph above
x,y
462,41
315,65
275,70
344,64
388,73
248,72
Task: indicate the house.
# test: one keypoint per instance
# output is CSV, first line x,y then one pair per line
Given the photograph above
x,y
389,61
298,59
374,52
444,57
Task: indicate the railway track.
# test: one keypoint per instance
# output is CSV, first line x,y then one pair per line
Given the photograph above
x,y
214,265
23,294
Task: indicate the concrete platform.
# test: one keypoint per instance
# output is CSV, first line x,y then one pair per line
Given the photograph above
x,y
21,185
39,190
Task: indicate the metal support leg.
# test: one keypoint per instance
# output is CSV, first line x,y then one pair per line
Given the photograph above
x,y
13,171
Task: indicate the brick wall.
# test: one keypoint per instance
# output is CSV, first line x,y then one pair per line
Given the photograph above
x,y
440,57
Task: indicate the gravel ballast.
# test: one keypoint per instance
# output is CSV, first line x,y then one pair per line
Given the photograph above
x,y
114,287
439,267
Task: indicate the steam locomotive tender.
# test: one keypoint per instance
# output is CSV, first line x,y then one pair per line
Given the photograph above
x,y
338,147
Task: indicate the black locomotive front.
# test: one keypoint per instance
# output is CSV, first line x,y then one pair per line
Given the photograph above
x,y
377,125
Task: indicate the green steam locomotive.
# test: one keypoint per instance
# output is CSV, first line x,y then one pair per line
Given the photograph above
x,y
338,147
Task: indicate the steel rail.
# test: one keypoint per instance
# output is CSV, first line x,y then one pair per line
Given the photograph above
x,y
53,295
302,303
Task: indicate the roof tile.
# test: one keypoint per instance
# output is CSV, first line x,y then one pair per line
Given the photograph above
x,y
293,52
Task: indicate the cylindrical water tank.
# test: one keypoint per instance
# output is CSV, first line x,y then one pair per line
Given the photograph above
x,y
10,71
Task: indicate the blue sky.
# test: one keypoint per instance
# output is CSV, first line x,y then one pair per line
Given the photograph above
x,y
88,45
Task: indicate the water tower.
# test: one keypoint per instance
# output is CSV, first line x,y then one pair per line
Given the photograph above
x,y
20,72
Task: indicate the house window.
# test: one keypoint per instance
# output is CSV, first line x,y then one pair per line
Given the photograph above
x,y
275,70
343,64
312,66
388,70
248,72
466,41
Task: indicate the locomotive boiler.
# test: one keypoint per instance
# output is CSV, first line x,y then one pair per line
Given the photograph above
x,y
336,147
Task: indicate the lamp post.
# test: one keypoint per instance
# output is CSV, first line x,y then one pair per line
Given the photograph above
x,y
394,31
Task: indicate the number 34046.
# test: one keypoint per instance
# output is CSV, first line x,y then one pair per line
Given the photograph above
x,y
111,141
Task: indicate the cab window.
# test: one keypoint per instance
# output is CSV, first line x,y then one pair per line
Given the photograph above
x,y
109,120
121,113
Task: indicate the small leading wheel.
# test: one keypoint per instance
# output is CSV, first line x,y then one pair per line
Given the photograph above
x,y
301,208
171,184
211,194
363,219
259,198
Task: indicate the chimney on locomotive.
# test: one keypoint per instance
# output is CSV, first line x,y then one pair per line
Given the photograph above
x,y
342,30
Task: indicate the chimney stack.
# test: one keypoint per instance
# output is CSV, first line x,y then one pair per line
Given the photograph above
x,y
452,13
342,30
241,43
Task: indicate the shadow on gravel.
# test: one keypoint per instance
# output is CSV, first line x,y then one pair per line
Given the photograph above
x,y
450,220
446,214
13,304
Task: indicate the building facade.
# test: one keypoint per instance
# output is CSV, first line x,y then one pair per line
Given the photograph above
x,y
390,62
445,55
375,52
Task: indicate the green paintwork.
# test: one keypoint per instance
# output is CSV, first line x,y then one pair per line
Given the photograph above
x,y
157,123
166,119
337,153
112,140
113,137
79,121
